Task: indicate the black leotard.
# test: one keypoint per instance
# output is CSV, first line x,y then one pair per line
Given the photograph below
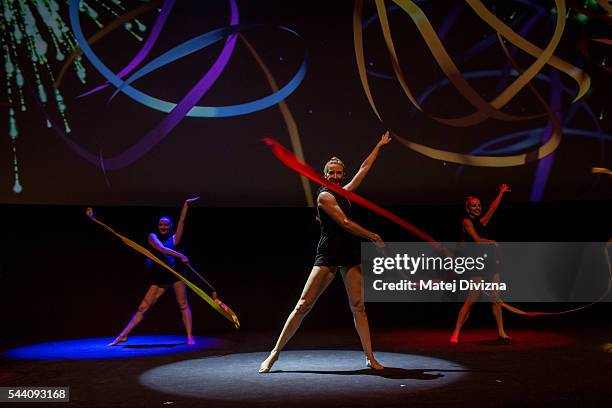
x,y
158,275
479,250
480,229
337,246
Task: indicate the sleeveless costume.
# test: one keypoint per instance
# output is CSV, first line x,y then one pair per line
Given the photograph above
x,y
480,229
337,246
158,275
478,250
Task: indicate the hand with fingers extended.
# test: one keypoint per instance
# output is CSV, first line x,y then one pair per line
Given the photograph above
x,y
385,138
504,188
191,200
220,303
377,240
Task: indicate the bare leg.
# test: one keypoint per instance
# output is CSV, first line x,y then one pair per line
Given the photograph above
x,y
499,320
497,311
149,300
464,313
353,282
181,298
319,279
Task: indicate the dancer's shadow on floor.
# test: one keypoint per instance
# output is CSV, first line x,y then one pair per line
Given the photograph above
x,y
394,373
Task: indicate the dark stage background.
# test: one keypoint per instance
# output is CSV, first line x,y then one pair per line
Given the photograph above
x,y
223,160
65,277
253,233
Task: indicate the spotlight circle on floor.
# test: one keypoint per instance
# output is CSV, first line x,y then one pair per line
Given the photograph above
x,y
97,348
309,375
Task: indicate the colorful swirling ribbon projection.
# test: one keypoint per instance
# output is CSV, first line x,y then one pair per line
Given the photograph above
x,y
601,170
34,36
187,106
583,46
120,22
484,109
221,308
146,47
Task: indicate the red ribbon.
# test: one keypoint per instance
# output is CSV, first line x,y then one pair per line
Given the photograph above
x,y
291,161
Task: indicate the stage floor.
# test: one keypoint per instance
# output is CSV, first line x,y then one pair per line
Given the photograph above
x,y
546,367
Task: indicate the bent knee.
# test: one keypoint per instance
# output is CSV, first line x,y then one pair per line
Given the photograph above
x,y
303,306
144,306
358,308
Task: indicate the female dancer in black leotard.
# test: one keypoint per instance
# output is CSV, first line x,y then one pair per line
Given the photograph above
x,y
474,230
163,244
338,249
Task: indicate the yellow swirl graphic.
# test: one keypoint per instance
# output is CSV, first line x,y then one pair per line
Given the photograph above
x,y
484,109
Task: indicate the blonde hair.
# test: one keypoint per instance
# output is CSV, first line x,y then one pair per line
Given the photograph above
x,y
333,160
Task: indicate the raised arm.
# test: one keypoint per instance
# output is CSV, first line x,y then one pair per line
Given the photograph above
x,y
487,217
367,163
155,243
329,204
181,224
468,226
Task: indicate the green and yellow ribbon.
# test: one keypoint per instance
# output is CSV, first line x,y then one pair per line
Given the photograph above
x,y
221,308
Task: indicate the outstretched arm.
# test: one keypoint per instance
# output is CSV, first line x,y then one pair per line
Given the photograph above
x,y
155,243
487,217
329,204
367,163
181,224
468,226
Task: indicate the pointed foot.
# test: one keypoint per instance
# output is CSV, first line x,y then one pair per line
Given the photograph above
x,y
267,364
120,339
373,364
505,340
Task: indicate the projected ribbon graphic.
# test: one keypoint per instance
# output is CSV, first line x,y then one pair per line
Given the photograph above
x,y
289,160
187,48
118,23
195,45
292,129
187,106
484,108
583,46
33,38
526,139
146,47
601,170
221,308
